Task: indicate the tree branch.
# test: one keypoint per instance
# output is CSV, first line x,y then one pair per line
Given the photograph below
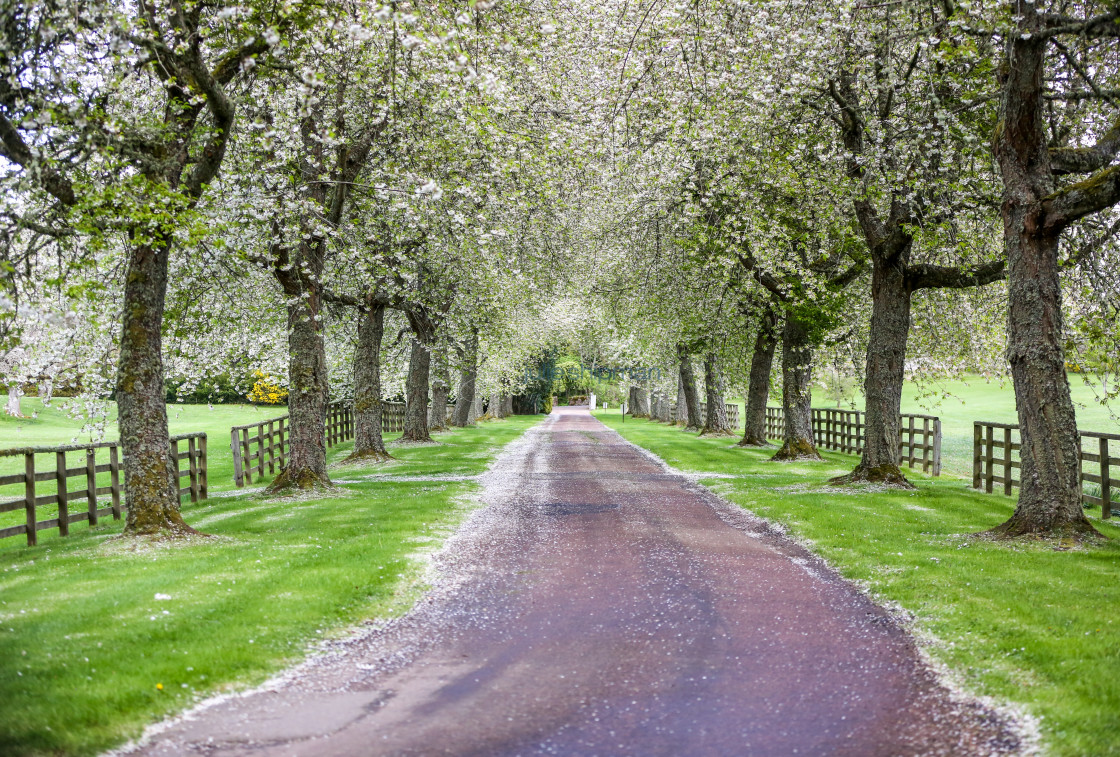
x,y
1099,191
927,276
1070,160
16,150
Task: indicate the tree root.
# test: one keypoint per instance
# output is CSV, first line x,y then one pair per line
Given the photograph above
x,y
368,456
883,475
303,479
718,432
796,449
1022,527
753,442
168,530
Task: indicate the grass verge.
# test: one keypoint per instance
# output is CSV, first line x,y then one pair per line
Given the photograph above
x,y
1028,624
98,637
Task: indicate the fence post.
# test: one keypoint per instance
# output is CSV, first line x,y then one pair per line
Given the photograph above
x,y
175,467
203,481
115,480
192,461
926,445
91,486
63,506
1007,462
280,444
937,446
977,454
235,448
1106,485
988,459
29,497
271,446
260,450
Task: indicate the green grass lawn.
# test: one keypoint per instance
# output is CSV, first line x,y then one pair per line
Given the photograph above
x,y
961,402
87,639
1022,623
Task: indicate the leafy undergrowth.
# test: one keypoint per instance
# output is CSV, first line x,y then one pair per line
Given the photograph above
x,y
99,636
1033,624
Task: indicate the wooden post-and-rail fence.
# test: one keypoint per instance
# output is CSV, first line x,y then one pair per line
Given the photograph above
x,y
732,413
89,488
845,431
265,444
995,458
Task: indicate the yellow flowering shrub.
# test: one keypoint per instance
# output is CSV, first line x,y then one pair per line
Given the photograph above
x,y
266,391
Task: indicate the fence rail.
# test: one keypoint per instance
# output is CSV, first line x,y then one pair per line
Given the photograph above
x,y
997,446
732,413
90,490
846,430
265,444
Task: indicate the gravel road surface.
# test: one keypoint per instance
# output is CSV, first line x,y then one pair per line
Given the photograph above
x,y
602,604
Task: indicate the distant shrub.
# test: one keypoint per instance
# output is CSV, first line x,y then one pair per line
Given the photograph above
x,y
266,391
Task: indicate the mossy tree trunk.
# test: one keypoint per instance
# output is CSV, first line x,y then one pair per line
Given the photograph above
x,y
416,394
758,389
688,387
368,442
468,378
308,388
150,475
682,405
886,362
441,387
641,402
476,406
797,394
716,420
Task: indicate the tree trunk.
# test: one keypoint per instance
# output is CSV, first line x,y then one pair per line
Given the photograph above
x,y
441,386
716,421
664,409
464,395
368,444
632,401
507,405
641,402
151,477
1050,491
15,392
416,394
688,386
495,408
797,396
682,405
308,396
886,361
477,409
758,392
